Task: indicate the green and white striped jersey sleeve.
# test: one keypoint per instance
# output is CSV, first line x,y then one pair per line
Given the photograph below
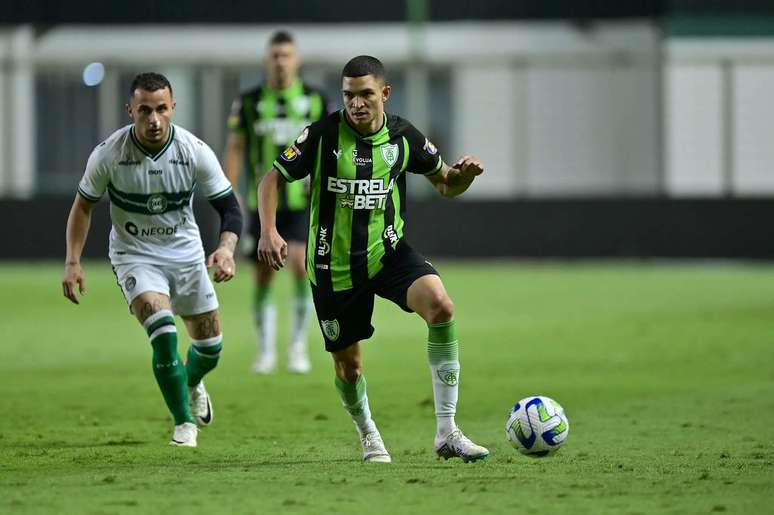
x,y
96,177
210,179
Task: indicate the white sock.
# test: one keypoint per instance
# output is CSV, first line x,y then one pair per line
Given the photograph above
x,y
266,326
446,377
301,309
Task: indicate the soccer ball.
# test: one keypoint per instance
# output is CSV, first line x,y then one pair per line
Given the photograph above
x,y
537,426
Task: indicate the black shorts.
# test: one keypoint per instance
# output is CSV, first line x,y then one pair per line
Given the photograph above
x,y
345,316
291,225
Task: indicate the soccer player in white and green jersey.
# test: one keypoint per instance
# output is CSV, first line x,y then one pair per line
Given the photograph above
x,y
150,170
358,159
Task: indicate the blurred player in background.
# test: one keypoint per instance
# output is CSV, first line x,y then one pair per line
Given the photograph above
x,y
357,159
262,123
149,169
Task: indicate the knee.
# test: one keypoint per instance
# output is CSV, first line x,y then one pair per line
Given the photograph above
x,y
441,309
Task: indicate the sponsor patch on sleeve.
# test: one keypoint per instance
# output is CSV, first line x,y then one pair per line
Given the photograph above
x,y
430,148
291,153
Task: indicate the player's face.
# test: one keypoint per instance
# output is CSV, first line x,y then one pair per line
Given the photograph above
x,y
151,112
364,99
282,63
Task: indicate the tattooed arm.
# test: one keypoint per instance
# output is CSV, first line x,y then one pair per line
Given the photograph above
x,y
223,257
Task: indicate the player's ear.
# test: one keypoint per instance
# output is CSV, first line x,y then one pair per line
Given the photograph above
x,y
128,108
386,90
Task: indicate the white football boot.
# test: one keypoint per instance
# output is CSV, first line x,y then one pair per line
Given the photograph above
x,y
457,445
201,406
298,359
185,435
265,364
374,450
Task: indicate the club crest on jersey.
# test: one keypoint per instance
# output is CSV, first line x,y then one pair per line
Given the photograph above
x,y
291,153
330,329
389,154
430,148
156,203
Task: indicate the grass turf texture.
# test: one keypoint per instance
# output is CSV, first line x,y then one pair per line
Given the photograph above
x,y
666,374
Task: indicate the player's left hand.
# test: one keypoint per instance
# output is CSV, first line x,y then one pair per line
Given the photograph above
x,y
469,166
223,260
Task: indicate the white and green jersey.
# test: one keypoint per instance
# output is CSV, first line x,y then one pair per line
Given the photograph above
x,y
151,194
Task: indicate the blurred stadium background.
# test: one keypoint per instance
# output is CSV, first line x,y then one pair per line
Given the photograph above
x,y
615,129
620,129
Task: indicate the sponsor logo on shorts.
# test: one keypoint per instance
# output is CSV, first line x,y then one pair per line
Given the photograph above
x,y
449,374
130,283
330,329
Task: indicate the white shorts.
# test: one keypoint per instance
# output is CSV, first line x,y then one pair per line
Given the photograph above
x,y
188,286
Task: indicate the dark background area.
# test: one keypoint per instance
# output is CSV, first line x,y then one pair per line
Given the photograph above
x,y
608,228
298,11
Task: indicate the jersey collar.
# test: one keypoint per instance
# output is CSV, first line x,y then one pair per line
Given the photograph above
x,y
149,153
296,88
374,137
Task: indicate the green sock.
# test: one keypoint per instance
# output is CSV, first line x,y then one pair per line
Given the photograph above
x,y
167,365
203,356
302,307
443,356
355,401
265,318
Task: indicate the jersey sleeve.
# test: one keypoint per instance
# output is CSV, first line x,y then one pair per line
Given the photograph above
x,y
210,179
423,155
95,178
236,118
297,160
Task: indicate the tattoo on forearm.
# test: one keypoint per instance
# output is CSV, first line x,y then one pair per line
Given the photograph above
x,y
228,240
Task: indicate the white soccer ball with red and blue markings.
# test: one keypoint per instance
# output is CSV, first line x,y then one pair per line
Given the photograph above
x,y
537,426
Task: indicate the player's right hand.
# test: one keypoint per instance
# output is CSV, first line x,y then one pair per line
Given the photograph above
x,y
272,249
73,274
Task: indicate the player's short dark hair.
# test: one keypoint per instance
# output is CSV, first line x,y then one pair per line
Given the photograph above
x,y
280,37
149,81
363,65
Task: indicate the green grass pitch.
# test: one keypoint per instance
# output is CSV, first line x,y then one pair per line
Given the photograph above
x,y
666,373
